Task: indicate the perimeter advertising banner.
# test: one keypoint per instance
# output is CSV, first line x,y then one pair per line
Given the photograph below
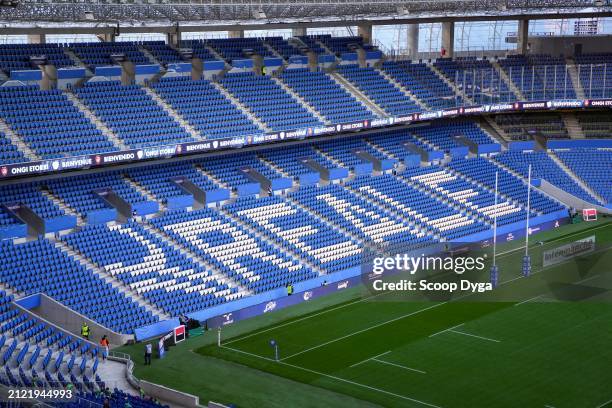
x,y
183,149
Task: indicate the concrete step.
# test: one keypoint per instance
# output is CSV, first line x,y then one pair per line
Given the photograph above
x,y
506,78
286,250
150,56
574,130
174,114
241,107
575,177
406,91
502,136
301,101
451,84
64,206
93,118
17,141
146,193
357,94
122,287
77,61
218,275
573,73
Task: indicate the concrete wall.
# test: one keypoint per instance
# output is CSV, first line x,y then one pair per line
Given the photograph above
x,y
60,315
570,199
564,45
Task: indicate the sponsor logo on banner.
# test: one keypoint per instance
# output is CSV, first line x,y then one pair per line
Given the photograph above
x,y
98,159
37,167
404,119
270,306
502,107
472,109
118,157
72,163
379,122
566,104
569,251
598,102
533,105
429,115
323,130
4,171
228,318
450,112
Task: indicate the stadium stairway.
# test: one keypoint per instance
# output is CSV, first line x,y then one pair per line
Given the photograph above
x,y
574,130
148,54
216,180
502,196
89,264
146,193
504,76
299,99
77,61
173,113
573,72
269,240
427,183
574,177
18,141
260,124
353,90
93,118
406,91
218,275
495,130
450,83
64,206
365,244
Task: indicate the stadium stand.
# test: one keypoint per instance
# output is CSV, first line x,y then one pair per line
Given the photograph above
x,y
205,108
596,172
527,126
9,153
49,123
422,83
325,95
594,74
543,167
97,54
163,52
269,102
40,266
238,253
14,57
381,91
151,267
539,77
124,107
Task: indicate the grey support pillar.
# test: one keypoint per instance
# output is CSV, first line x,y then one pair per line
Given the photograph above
x,y
235,34
522,37
448,38
299,31
365,31
174,39
37,38
412,40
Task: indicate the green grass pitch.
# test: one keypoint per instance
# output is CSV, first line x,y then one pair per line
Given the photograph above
x,y
542,341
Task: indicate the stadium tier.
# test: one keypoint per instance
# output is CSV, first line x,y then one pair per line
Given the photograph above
x,y
221,175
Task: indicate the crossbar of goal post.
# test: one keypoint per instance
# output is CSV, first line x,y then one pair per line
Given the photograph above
x,y
527,258
494,275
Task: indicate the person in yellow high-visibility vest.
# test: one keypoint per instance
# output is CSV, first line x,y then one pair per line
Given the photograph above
x,y
85,332
289,289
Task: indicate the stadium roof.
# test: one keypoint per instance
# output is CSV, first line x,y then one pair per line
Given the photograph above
x,y
222,14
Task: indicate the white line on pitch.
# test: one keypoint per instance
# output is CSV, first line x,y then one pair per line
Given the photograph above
x,y
371,358
587,279
528,300
304,318
398,365
445,330
604,404
473,335
337,378
364,330
548,406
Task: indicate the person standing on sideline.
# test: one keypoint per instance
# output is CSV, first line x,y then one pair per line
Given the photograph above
x,y
289,289
85,332
106,344
148,353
